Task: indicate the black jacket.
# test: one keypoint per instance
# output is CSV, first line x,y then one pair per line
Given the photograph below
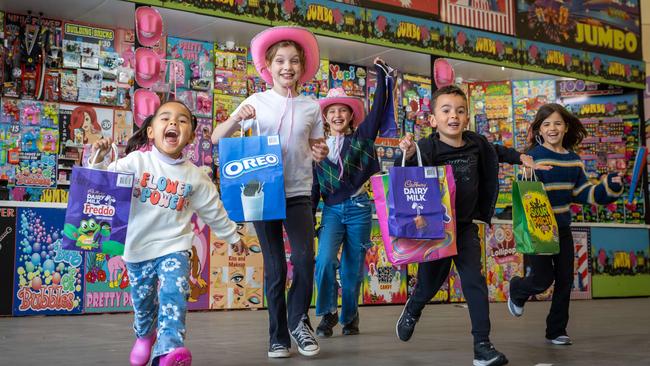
x,y
490,155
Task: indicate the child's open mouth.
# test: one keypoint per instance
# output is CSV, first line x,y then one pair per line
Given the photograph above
x,y
171,137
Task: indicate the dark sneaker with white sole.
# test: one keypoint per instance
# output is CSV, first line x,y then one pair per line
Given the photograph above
x,y
486,355
352,328
327,323
304,337
277,350
406,324
515,310
562,340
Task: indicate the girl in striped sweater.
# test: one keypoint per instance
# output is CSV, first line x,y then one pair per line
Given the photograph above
x,y
555,133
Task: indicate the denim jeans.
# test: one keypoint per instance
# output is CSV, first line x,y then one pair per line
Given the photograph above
x,y
347,223
159,290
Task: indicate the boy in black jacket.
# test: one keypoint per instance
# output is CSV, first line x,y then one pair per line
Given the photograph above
x,y
475,163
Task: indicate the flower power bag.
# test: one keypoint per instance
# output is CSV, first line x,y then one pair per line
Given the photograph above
x,y
533,220
252,178
98,210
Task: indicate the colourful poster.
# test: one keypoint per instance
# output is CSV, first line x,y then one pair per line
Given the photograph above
x,y
502,261
7,255
107,284
383,283
491,15
319,85
553,59
489,48
84,124
199,266
455,287
408,33
351,78
236,280
611,27
582,266
328,18
199,151
230,70
47,279
416,103
194,81
388,152
621,266
527,97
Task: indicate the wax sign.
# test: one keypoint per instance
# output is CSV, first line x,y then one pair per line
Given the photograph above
x,y
413,34
484,47
328,18
545,57
611,27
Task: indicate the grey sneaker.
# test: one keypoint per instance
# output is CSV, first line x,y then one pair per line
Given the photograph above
x,y
328,322
562,340
277,350
303,335
515,310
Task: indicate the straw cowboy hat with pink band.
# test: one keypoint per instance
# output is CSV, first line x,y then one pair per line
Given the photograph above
x,y
338,96
267,38
148,25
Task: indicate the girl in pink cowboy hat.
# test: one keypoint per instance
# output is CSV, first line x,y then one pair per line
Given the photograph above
x,y
347,213
287,57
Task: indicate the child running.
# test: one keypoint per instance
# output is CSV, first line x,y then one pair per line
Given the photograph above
x,y
475,164
287,57
168,190
555,132
347,213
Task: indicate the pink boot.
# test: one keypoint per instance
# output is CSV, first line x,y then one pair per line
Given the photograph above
x,y
141,351
178,357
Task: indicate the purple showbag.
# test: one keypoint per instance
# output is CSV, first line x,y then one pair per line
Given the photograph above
x,y
98,210
415,208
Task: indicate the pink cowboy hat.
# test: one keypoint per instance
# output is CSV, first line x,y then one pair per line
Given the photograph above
x,y
148,65
338,96
145,104
271,36
443,73
148,25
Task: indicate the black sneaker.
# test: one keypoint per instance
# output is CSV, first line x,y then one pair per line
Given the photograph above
x,y
406,324
277,350
328,322
352,328
486,355
303,335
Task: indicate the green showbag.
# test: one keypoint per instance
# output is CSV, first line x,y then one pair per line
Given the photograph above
x,y
533,220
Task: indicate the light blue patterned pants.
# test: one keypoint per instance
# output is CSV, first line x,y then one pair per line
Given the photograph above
x,y
165,304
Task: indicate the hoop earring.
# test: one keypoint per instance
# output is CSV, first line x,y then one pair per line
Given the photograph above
x,y
539,139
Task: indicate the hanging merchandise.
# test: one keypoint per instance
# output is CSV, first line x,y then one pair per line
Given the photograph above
x,y
148,25
443,73
193,81
145,104
32,46
388,152
230,70
416,103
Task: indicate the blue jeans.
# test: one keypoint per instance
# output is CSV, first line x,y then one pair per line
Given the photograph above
x,y
165,308
347,223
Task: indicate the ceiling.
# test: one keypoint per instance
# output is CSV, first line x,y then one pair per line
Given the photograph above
x,y
119,14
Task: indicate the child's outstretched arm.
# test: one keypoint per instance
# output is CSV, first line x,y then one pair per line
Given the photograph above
x,y
209,208
514,157
372,123
606,191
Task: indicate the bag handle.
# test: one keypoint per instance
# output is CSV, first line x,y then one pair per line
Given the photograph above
x,y
533,176
417,151
241,128
92,163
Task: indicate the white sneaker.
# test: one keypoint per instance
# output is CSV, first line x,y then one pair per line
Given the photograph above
x,y
515,310
304,337
278,351
562,340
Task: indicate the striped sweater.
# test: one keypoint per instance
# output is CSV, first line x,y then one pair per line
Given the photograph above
x,y
567,182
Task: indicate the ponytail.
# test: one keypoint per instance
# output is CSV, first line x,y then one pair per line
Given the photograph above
x,y
139,138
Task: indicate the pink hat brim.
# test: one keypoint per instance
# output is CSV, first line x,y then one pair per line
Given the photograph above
x,y
356,104
443,73
140,53
140,13
140,97
267,38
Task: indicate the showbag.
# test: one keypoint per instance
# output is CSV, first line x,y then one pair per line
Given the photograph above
x,y
98,210
252,178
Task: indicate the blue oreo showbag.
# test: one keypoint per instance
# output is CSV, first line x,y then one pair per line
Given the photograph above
x,y
252,178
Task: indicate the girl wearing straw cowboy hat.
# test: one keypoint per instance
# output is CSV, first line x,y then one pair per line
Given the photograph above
x,y
347,213
287,57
